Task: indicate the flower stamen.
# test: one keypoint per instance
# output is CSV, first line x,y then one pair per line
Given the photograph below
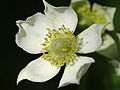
x,y
60,46
91,16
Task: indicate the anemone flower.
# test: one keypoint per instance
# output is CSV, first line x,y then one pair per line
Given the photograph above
x,y
52,34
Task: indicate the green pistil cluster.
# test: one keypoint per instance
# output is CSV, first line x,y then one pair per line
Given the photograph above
x,y
90,17
60,46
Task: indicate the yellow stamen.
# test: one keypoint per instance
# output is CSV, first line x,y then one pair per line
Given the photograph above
x,y
60,46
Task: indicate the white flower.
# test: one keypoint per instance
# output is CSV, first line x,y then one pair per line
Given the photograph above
x,y
52,34
98,14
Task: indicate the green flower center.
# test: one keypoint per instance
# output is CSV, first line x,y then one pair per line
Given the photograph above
x,y
88,17
60,46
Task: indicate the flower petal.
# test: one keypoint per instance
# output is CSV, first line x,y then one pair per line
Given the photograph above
x,y
32,33
118,34
118,70
73,73
38,70
108,12
90,39
61,16
108,47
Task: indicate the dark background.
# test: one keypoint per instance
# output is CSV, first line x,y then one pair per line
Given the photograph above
x,y
13,59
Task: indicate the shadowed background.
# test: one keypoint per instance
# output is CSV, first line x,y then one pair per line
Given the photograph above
x,y
100,76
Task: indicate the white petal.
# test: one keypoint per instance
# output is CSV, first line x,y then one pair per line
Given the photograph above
x,y
90,39
73,73
32,33
61,16
108,48
118,70
116,65
118,34
108,12
38,70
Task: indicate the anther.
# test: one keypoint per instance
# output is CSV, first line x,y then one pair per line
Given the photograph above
x,y
61,45
46,39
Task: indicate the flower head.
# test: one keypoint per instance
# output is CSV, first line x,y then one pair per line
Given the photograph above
x,y
53,35
96,14
60,46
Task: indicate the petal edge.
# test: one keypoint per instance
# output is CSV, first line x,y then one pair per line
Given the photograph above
x,y
61,16
73,74
90,39
38,70
32,33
